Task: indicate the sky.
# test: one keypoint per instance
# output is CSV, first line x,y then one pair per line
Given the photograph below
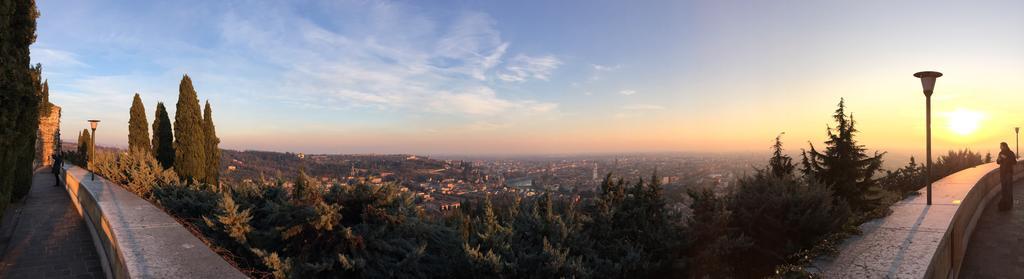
x,y
542,77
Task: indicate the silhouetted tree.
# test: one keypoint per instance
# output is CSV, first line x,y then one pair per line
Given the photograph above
x,y
189,138
780,165
212,151
163,137
844,165
138,127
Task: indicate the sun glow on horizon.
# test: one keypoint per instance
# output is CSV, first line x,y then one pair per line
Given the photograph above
x,y
964,122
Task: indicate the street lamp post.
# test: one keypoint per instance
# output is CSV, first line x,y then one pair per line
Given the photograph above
x,y
1016,130
928,83
92,124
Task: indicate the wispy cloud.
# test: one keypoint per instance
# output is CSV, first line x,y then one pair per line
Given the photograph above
x,y
523,67
605,68
627,92
642,107
331,70
471,46
54,58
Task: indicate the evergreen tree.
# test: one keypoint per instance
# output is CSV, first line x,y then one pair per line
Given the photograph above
x,y
780,165
138,127
19,99
44,99
190,139
845,165
212,151
84,146
163,137
28,127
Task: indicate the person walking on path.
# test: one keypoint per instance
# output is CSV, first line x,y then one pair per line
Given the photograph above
x,y
1006,161
58,164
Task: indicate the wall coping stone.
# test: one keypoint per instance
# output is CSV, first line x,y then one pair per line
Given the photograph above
x,y
918,240
140,240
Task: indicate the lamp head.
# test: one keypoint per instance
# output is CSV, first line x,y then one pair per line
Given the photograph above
x,y
93,123
1016,129
928,81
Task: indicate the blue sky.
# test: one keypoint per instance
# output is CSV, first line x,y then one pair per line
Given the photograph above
x,y
523,76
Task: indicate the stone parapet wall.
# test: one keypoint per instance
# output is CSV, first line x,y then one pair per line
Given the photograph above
x,y
135,238
919,240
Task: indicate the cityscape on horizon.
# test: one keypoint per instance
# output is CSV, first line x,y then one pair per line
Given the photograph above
x,y
511,139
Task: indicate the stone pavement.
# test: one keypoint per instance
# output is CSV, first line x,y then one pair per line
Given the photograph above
x,y
998,240
49,238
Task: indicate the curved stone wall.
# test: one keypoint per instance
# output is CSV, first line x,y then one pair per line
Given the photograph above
x,y
137,239
919,240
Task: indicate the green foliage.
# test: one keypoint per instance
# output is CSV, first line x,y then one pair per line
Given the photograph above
x,y
647,233
954,161
163,137
715,239
212,151
138,127
28,127
19,100
905,180
910,178
844,166
189,138
137,170
781,216
84,145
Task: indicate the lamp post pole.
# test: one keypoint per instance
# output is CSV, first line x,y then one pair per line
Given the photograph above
x,y
928,84
92,124
1016,130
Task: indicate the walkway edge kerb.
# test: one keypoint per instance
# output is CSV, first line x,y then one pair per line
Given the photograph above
x,y
138,239
919,240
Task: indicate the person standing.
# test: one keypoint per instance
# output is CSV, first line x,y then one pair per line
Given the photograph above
x,y
58,165
1007,159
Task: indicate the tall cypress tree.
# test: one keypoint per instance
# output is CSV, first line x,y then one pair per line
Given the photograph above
x,y
19,100
84,144
189,137
845,165
163,137
138,127
212,151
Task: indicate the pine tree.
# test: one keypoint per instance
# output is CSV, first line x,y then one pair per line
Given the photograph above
x,y
189,141
845,165
780,165
138,127
212,151
163,137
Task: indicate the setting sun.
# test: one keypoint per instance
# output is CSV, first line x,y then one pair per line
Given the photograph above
x,y
964,122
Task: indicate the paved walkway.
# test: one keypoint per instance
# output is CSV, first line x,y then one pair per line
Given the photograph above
x,y
49,239
996,247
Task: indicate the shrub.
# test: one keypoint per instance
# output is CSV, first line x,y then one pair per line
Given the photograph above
x,y
138,171
782,216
